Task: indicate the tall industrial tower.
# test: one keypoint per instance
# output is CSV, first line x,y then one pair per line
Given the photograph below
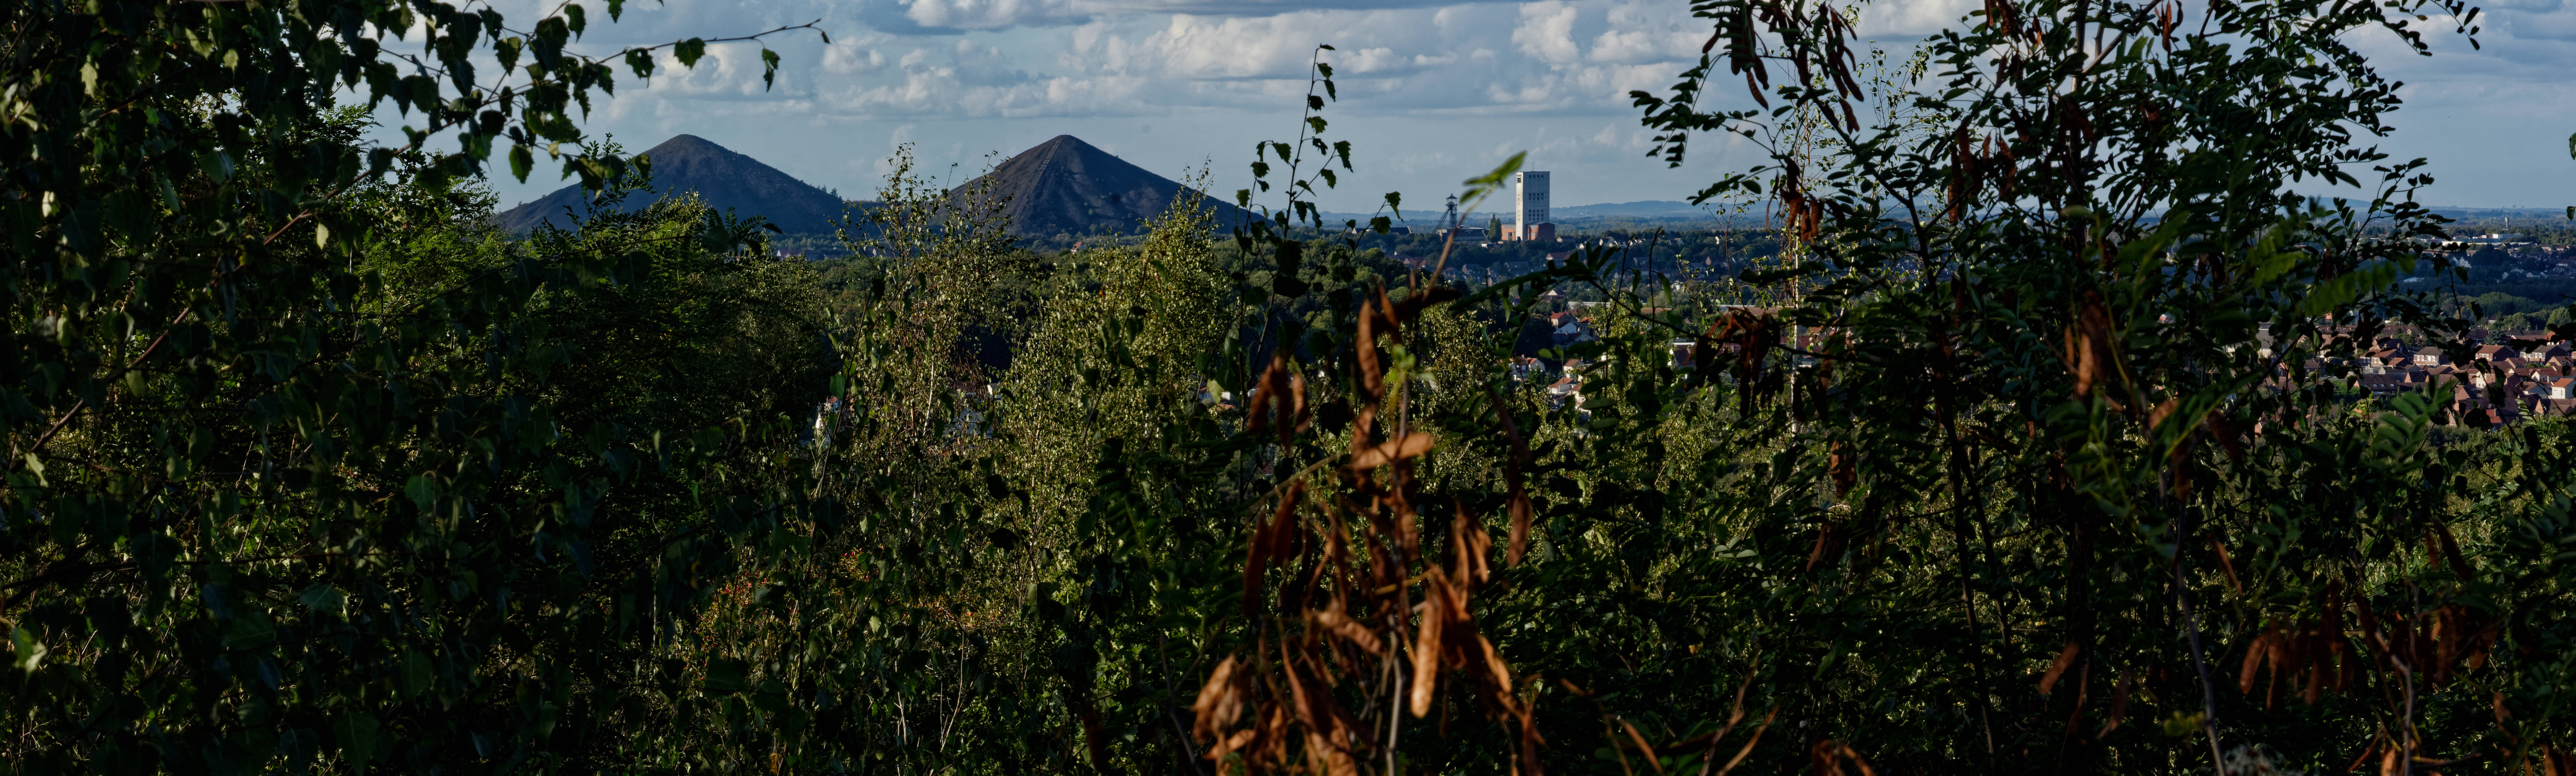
x,y
1531,209
1451,220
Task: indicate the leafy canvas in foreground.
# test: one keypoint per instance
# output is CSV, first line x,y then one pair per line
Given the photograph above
x,y
2033,454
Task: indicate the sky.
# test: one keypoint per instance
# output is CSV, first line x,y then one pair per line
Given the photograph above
x,y
1432,93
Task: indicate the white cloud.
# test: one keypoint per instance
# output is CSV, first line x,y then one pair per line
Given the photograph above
x,y
1547,32
1431,91
986,14
856,55
1903,19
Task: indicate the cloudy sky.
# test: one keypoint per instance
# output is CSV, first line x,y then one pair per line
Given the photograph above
x,y
1432,93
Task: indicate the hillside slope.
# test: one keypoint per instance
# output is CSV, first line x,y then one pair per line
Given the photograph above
x,y
728,180
1066,186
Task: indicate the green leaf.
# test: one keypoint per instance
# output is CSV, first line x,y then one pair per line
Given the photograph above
x,y
356,731
521,161
575,18
726,676
30,653
250,629
322,597
423,490
768,69
416,673
1482,186
689,51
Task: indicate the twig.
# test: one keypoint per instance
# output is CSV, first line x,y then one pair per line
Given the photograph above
x,y
2199,662
77,406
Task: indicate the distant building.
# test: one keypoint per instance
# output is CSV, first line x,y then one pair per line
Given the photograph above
x,y
1530,208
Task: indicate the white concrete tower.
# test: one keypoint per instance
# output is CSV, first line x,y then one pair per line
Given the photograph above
x,y
1531,208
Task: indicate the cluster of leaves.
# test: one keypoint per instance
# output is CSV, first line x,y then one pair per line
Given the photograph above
x,y
2040,467
311,469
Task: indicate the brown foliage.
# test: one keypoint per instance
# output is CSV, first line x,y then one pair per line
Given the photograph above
x,y
1345,621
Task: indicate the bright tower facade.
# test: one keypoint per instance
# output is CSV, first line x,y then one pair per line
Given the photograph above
x,y
1530,209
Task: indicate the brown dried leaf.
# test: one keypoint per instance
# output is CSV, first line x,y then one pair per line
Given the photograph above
x,y
1829,756
2119,705
1230,744
1330,759
1829,543
1401,448
1426,643
2156,418
2451,551
1640,740
1334,620
1267,540
2065,659
1496,671
1264,395
1469,546
1218,705
1299,419
2254,653
1299,706
1371,373
2088,342
1749,743
1844,467
2225,433
1522,516
2226,563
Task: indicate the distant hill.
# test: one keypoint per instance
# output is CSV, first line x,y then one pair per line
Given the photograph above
x,y
726,179
1066,186
1652,207
1647,208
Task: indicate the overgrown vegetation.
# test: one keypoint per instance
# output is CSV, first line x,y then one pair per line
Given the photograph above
x,y
312,469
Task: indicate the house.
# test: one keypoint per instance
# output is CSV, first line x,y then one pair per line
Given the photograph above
x,y
2563,388
1567,328
2385,384
1567,387
1523,367
2431,356
2496,353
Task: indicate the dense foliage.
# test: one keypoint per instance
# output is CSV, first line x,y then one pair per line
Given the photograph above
x,y
2027,448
